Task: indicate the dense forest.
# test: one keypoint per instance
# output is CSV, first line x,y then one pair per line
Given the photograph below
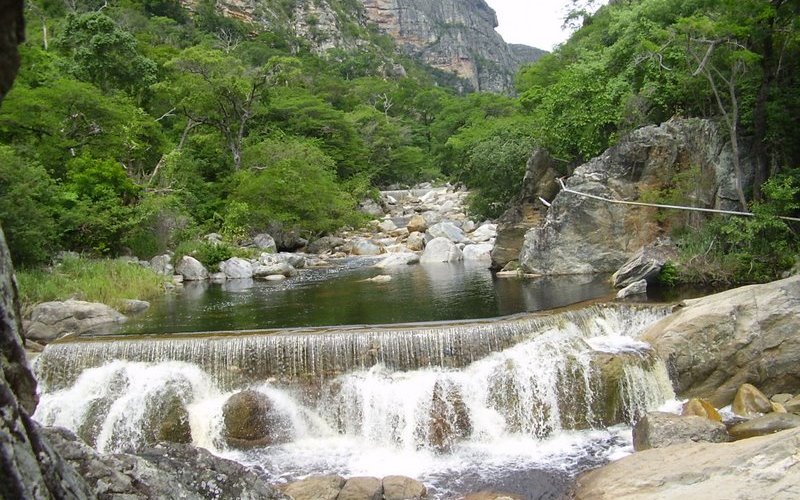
x,y
136,125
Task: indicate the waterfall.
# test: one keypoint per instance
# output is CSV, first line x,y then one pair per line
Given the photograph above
x,y
424,388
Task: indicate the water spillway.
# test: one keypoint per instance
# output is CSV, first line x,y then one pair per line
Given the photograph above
x,y
436,401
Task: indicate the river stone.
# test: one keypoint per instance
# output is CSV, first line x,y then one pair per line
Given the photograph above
x,y
362,488
441,250
53,320
416,241
191,269
446,230
370,207
398,259
279,268
134,306
716,343
793,405
449,419
326,244
403,488
699,407
493,495
781,398
645,264
251,421
387,226
166,419
659,430
162,264
417,224
484,233
749,402
364,247
764,425
315,488
478,251
265,242
634,289
236,268
764,467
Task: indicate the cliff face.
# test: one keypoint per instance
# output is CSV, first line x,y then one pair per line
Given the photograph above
x,y
455,36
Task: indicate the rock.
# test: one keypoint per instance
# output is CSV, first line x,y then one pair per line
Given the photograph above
x,y
659,430
133,306
364,247
398,259
765,425
753,468
387,226
484,233
219,277
469,226
274,277
645,264
162,264
700,408
441,250
236,268
446,230
251,421
191,269
265,242
296,260
417,224
286,240
315,488
326,244
508,243
716,343
749,402
431,218
582,235
781,398
493,495
778,408
403,488
636,288
213,238
279,268
370,207
53,320
416,241
381,278
400,233
361,488
479,251
449,419
793,405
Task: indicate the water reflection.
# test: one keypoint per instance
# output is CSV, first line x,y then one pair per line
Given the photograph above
x,y
320,297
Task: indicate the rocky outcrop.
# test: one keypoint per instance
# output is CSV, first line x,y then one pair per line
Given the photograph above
x,y
764,467
53,320
583,235
715,344
659,430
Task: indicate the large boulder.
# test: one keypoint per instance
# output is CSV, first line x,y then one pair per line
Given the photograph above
x,y
398,259
191,269
361,488
364,247
403,488
316,488
53,320
415,241
251,421
646,264
765,425
236,268
441,250
749,401
446,230
484,233
265,242
764,467
715,344
162,264
478,251
659,430
585,235
417,223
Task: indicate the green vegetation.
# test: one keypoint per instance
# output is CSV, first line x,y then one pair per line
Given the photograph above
x,y
95,280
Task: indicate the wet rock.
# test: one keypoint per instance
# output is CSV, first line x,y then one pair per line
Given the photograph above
x,y
645,264
416,241
251,421
265,242
361,488
162,264
441,250
381,278
326,244
236,268
493,495
446,230
167,419
403,488
449,419
634,289
765,425
133,306
276,269
659,430
315,488
764,467
484,233
417,224
700,408
749,401
398,259
191,269
53,320
479,251
747,335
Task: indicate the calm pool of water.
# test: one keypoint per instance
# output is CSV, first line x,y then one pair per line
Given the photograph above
x,y
340,296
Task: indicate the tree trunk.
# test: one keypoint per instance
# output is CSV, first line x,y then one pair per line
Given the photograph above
x,y
760,149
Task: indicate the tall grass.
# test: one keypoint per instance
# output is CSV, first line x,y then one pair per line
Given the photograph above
x,y
94,280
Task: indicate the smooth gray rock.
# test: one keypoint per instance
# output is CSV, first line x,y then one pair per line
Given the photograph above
x,y
236,268
646,264
441,250
398,259
387,226
53,320
265,242
278,268
250,420
364,247
134,306
634,289
326,244
765,425
446,230
191,269
479,252
415,241
162,264
484,233
659,430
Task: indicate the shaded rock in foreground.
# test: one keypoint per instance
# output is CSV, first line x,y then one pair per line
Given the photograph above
x,y
764,467
659,430
762,426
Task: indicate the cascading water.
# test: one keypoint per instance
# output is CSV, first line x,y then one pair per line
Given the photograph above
x,y
462,407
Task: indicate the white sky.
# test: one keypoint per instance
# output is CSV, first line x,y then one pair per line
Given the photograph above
x,y
532,22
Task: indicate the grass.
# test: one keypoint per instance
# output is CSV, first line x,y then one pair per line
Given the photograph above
x,y
95,280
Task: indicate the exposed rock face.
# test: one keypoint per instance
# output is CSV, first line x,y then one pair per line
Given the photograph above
x,y
659,430
583,235
765,467
456,36
646,263
715,344
52,320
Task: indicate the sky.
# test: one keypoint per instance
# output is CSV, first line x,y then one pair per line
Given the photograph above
x,y
531,22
